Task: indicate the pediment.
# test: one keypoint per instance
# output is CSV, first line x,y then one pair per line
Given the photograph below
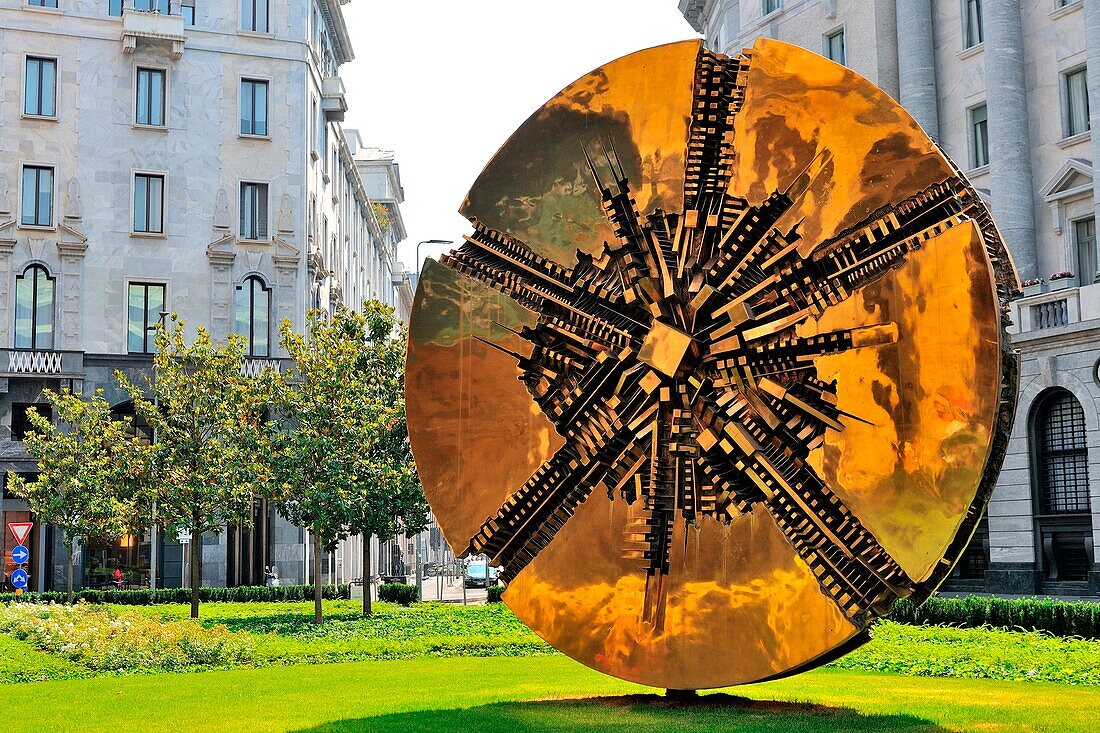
x,y
1074,178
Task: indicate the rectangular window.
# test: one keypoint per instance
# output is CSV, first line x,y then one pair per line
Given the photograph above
x,y
187,10
1077,103
770,6
254,211
114,8
254,16
37,205
834,44
975,33
1084,231
21,423
151,6
979,136
42,3
145,303
150,97
40,87
253,107
149,203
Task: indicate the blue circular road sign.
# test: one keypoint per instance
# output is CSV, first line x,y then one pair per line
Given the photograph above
x,y
20,554
19,579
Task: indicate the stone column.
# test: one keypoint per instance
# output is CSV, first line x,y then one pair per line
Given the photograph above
x,y
221,294
70,281
1092,55
1010,182
917,64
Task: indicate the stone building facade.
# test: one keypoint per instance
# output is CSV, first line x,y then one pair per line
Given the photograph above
x,y
172,156
1004,86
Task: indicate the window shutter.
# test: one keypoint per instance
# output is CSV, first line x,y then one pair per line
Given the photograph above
x,y
244,211
261,225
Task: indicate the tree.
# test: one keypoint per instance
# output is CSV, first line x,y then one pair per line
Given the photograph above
x,y
91,471
332,415
392,500
207,421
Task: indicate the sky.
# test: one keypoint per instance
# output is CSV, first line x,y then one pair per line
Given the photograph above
x,y
443,83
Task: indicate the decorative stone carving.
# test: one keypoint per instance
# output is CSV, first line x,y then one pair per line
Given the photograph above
x,y
73,210
285,223
222,219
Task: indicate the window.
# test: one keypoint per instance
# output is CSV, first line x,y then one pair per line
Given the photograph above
x,y
150,97
40,87
145,303
253,315
1077,103
114,7
314,133
979,136
37,206
149,203
42,3
187,10
254,211
1063,457
975,33
834,47
34,309
770,6
151,6
21,423
253,107
1084,231
254,16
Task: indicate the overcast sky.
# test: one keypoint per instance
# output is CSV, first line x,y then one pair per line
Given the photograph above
x,y
443,83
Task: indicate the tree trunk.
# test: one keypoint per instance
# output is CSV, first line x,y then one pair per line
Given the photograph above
x,y
366,575
196,565
317,613
69,546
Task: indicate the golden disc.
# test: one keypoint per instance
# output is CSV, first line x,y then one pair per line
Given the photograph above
x,y
721,372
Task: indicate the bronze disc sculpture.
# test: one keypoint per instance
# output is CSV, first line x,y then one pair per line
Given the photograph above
x,y
721,372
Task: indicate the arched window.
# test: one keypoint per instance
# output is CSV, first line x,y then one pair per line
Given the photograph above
x,y
253,315
1063,457
34,309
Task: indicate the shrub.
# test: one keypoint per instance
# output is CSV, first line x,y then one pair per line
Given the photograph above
x,y
103,639
1061,618
493,593
240,594
399,593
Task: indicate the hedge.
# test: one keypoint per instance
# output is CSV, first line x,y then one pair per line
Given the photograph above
x,y
399,593
1061,618
493,593
240,594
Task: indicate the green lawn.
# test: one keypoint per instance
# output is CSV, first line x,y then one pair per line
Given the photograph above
x,y
547,693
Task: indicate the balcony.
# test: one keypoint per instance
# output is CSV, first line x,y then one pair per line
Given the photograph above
x,y
53,364
253,366
1055,312
155,29
334,102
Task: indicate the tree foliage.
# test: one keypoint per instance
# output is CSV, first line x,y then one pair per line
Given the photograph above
x,y
207,418
92,471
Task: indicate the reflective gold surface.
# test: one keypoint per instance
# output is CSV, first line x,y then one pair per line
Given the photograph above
x,y
890,375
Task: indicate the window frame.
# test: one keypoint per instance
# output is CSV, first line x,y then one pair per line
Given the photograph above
x,y
27,58
42,4
1074,226
1045,503
254,80
240,196
251,281
252,4
149,347
163,176
1068,130
967,38
826,39
775,7
193,4
53,196
34,335
975,163
121,8
165,105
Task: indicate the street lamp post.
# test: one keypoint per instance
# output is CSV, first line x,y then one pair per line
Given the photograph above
x,y
154,555
427,241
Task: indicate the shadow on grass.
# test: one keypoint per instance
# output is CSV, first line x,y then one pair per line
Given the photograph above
x,y
636,714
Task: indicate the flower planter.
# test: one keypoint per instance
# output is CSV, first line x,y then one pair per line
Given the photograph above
x,y
1060,284
1030,290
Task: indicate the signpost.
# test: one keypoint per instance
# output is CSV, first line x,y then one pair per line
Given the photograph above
x,y
20,555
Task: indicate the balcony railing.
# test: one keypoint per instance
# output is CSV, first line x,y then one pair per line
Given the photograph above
x,y
155,28
253,366
59,364
1052,314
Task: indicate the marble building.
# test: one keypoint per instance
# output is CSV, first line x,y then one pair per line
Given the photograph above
x,y
1004,86
181,156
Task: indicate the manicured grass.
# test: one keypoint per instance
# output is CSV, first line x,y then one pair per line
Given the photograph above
x,y
488,695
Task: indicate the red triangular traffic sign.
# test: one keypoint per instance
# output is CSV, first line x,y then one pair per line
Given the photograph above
x,y
20,530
